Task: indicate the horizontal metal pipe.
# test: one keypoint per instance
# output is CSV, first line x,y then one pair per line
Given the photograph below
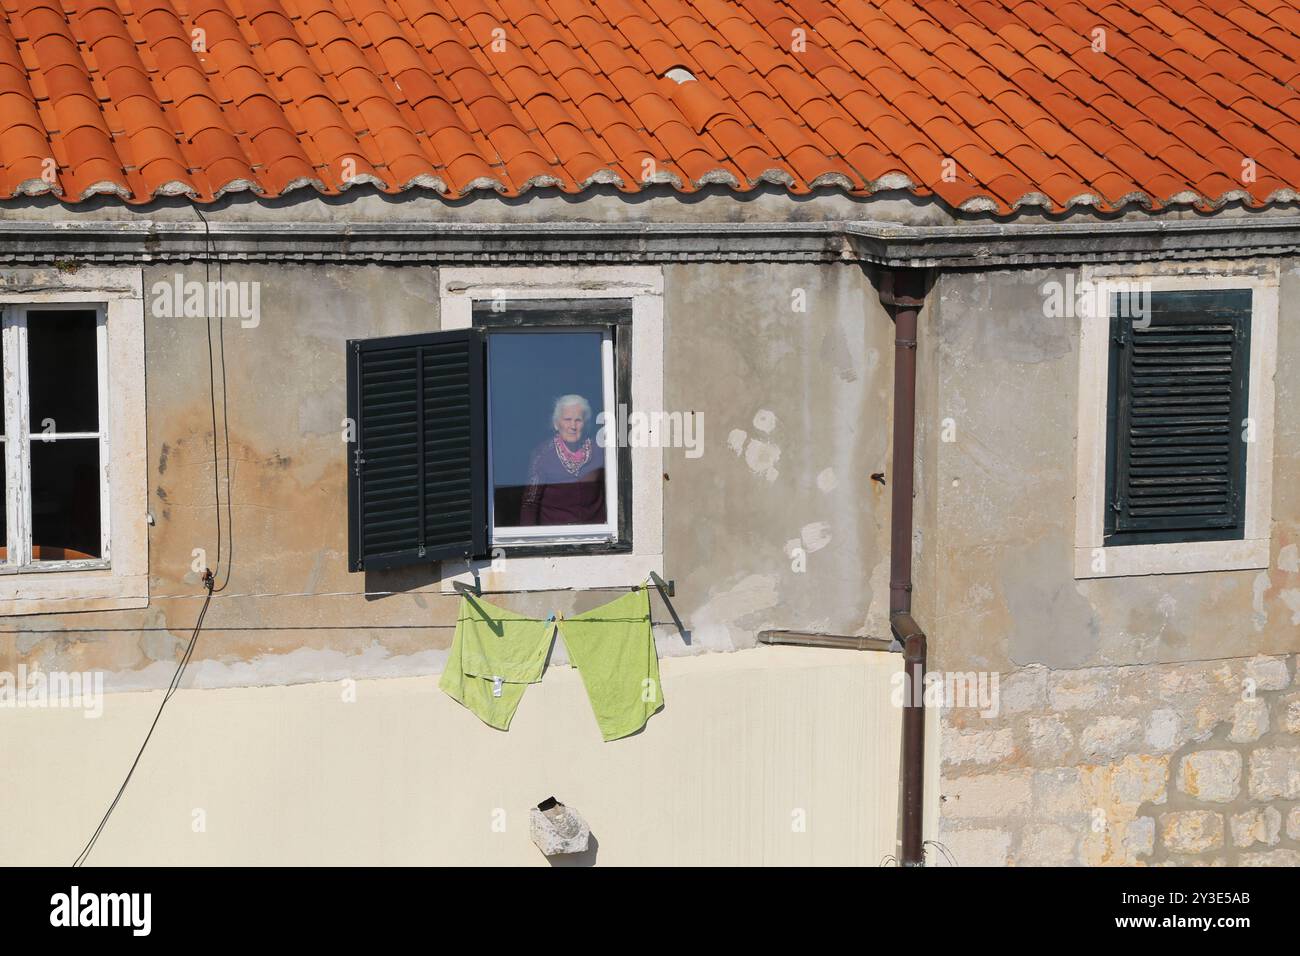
x,y
848,642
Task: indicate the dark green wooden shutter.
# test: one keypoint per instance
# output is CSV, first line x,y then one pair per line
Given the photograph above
x,y
416,471
1179,387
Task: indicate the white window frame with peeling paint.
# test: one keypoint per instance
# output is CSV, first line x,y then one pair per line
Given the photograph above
x,y
119,578
642,286
1092,559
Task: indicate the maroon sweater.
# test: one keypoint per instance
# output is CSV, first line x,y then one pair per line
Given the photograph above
x,y
556,497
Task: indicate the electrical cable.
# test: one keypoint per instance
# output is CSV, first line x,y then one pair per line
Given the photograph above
x,y
209,576
171,689
212,390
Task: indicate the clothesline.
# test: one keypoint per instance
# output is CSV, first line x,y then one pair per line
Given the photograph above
x,y
667,588
200,595
470,592
272,627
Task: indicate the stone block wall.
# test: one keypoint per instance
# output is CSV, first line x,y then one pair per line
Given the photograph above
x,y
1152,764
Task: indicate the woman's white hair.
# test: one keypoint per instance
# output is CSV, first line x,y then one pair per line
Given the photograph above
x,y
563,402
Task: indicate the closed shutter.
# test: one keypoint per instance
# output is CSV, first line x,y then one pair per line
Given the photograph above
x,y
1179,386
416,488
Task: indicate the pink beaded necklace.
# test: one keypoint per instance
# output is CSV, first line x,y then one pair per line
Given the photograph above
x,y
572,460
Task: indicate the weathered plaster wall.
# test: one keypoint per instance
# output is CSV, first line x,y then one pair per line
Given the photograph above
x,y
779,524
795,413
1108,686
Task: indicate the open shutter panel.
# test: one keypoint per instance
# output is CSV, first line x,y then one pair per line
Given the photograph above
x,y
416,470
1178,397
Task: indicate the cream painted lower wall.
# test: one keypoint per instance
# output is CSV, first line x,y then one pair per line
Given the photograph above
x,y
404,775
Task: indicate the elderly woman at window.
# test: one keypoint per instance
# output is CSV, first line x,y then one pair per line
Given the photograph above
x,y
566,474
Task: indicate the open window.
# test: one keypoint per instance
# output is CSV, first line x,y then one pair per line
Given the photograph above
x,y
56,439
492,437
508,459
74,527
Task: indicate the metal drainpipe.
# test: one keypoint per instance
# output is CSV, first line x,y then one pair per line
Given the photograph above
x,y
903,292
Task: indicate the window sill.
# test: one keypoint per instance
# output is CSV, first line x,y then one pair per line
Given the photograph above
x,y
1183,558
58,567
547,573
70,592
515,549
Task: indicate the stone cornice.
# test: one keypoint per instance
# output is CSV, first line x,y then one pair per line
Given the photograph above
x,y
25,242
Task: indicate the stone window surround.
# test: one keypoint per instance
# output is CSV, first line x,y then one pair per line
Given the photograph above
x,y
124,583
1253,550
643,285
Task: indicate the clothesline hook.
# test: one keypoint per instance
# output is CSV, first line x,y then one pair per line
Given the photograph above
x,y
478,587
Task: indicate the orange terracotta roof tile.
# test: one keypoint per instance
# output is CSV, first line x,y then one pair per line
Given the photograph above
x,y
205,97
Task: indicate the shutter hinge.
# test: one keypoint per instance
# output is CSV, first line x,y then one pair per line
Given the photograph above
x,y
357,462
420,553
1117,505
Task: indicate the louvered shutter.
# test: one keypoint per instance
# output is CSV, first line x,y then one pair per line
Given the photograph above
x,y
1179,387
416,487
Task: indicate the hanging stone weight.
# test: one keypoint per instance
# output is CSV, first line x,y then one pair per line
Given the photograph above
x,y
557,829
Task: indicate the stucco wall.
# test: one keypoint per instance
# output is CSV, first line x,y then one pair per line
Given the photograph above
x,y
768,756
1115,692
1007,376
786,367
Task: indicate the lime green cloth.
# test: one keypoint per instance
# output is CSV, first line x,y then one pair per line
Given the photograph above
x,y
496,654
613,648
492,644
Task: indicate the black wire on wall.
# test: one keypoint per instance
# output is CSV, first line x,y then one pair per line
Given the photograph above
x,y
209,574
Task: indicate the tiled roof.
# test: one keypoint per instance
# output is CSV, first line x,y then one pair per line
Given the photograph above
x,y
988,104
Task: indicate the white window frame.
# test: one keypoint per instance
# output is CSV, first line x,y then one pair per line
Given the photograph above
x,y
520,535
1092,559
120,577
15,321
642,286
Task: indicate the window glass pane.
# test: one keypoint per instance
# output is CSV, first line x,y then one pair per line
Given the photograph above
x,y
547,468
62,370
65,499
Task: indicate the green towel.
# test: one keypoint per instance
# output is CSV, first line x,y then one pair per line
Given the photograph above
x,y
495,655
613,648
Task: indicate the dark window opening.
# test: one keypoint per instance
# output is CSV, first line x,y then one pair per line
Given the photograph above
x,y
53,437
65,500
62,371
